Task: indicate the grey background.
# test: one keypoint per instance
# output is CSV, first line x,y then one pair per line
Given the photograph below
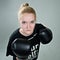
x,y
48,13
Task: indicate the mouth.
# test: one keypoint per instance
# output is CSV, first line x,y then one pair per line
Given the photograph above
x,y
28,30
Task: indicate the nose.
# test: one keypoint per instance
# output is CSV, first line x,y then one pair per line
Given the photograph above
x,y
28,26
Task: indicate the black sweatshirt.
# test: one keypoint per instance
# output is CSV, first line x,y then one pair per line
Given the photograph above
x,y
34,39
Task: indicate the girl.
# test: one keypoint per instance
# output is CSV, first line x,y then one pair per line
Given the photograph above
x,y
29,30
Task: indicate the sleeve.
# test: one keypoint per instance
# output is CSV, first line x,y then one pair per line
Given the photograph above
x,y
9,51
45,34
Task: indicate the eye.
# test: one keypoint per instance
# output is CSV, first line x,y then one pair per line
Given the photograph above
x,y
23,22
32,21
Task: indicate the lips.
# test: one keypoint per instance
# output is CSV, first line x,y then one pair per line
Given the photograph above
x,y
28,30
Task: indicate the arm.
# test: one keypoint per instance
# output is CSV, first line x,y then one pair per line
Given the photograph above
x,y
21,48
45,34
9,51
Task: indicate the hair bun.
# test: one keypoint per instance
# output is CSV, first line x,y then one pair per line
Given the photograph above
x,y
24,5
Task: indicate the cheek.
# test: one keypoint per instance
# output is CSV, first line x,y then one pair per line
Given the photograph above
x,y
32,26
23,26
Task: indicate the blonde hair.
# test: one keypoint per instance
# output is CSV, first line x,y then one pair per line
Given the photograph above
x,y
25,8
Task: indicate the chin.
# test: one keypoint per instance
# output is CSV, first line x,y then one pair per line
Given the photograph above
x,y
29,33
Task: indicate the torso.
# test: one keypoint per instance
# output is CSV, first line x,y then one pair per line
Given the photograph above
x,y
33,39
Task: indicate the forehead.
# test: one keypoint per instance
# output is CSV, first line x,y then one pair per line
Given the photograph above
x,y
27,16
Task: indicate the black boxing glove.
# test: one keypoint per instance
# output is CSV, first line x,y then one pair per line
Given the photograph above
x,y
21,48
45,35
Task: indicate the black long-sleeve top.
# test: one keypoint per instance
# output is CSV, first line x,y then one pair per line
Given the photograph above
x,y
34,38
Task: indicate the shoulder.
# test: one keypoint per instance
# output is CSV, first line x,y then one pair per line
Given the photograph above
x,y
13,34
15,31
39,26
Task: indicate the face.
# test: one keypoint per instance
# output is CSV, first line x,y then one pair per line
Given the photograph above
x,y
27,23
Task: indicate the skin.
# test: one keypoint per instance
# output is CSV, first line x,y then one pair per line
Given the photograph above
x,y
27,23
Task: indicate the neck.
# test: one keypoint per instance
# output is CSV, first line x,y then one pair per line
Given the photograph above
x,y
21,31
